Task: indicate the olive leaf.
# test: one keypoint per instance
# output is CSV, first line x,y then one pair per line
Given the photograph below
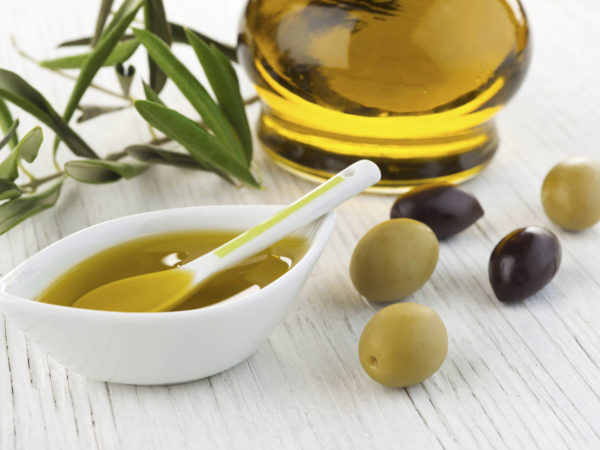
x,y
225,86
10,134
204,147
195,93
6,123
155,20
16,90
105,6
226,62
76,42
9,190
96,171
89,112
155,155
122,52
124,10
100,53
179,36
26,149
29,146
17,210
87,41
151,94
125,77
9,168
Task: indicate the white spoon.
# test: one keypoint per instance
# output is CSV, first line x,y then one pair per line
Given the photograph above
x,y
165,290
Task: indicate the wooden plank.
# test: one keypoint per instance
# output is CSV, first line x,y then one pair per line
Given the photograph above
x,y
525,376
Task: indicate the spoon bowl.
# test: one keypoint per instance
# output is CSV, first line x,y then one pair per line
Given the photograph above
x,y
163,347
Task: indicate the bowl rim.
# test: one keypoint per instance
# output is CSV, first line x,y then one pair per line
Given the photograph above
x,y
322,232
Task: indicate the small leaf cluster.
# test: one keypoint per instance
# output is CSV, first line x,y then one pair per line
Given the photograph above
x,y
17,203
217,140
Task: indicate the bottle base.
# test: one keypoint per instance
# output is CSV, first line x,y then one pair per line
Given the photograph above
x,y
404,163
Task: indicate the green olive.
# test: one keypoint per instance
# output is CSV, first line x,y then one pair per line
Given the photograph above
x,y
394,259
571,194
403,344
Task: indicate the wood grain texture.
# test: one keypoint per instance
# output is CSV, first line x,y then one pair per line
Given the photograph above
x,y
522,376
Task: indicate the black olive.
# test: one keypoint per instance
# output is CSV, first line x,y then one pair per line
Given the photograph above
x,y
523,262
445,208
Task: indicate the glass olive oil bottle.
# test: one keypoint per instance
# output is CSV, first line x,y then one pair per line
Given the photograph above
x,y
411,84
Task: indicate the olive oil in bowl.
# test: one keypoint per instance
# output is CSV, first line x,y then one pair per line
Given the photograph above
x,y
164,251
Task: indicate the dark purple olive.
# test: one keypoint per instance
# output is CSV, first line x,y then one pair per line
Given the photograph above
x,y
445,208
523,263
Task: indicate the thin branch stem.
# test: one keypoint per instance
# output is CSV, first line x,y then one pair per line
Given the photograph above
x,y
23,169
160,141
116,156
33,184
55,162
251,100
152,132
64,74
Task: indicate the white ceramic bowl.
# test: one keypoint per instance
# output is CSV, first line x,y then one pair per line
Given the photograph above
x,y
153,348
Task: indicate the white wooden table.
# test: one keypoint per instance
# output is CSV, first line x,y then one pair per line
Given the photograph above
x,y
521,376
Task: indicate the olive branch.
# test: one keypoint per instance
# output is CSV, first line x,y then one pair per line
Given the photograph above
x,y
218,140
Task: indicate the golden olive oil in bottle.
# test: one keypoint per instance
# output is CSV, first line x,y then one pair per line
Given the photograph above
x,y
411,84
